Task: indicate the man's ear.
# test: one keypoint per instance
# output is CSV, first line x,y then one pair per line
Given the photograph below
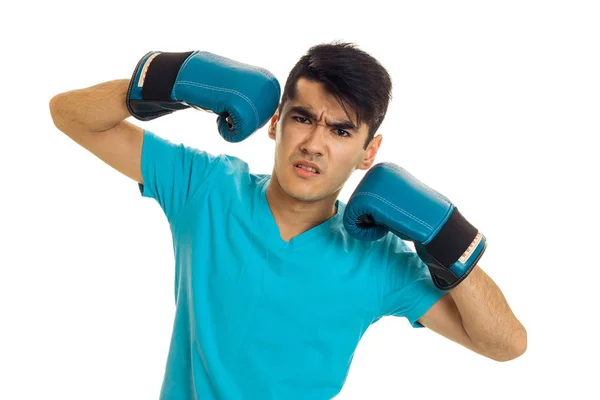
x,y
273,125
370,153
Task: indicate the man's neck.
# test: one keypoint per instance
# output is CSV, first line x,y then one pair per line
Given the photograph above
x,y
293,216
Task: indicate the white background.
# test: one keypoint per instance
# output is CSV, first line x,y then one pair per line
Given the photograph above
x,y
496,105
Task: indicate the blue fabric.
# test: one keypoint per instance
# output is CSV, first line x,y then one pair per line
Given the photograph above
x,y
257,317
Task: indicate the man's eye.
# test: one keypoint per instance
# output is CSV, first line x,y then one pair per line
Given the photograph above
x,y
343,133
301,119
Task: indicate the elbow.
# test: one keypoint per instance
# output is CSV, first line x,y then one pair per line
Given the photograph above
x,y
57,113
516,349
521,346
53,106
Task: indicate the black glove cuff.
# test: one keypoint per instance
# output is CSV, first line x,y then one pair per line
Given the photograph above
x,y
161,75
452,240
445,279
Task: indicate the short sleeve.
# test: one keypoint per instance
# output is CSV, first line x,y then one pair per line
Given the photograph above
x,y
174,173
408,290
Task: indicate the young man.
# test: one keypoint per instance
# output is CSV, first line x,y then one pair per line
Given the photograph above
x,y
272,292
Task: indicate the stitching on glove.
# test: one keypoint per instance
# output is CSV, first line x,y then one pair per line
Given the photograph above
x,y
189,83
260,70
394,207
408,176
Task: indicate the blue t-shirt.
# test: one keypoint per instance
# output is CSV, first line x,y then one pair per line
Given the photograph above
x,y
257,317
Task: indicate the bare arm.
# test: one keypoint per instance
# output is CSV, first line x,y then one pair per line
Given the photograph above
x,y
94,117
476,315
487,317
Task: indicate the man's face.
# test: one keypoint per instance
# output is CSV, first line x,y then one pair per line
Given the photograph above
x,y
313,128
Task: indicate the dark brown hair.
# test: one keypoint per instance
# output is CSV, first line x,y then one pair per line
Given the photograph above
x,y
354,77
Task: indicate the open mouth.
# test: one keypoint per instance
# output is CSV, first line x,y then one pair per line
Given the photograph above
x,y
305,171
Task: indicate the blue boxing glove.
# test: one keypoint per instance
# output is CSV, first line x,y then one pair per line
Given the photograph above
x,y
388,198
244,96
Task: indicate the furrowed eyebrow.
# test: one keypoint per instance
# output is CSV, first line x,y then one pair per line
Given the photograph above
x,y
305,112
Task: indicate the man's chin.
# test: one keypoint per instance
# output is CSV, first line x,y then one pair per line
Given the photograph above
x,y
305,195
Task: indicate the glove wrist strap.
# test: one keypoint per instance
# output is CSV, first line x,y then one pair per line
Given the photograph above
x,y
161,74
453,240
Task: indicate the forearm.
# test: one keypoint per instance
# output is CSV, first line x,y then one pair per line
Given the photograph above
x,y
487,317
92,109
